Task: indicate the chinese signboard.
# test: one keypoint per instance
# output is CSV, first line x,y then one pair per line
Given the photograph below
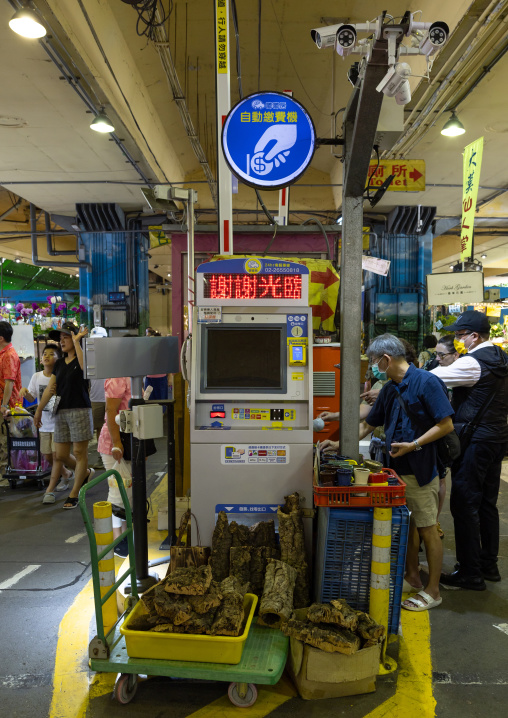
x,y
221,30
255,454
472,165
409,175
268,140
452,287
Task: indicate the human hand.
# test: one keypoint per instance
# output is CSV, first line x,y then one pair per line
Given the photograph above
x,y
329,415
23,392
82,333
370,396
402,448
5,411
329,445
117,452
37,418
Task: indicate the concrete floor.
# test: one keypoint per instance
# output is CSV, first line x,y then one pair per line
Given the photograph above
x,y
468,651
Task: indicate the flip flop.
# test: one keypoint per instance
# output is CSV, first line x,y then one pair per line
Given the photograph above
x,y
407,588
70,503
422,605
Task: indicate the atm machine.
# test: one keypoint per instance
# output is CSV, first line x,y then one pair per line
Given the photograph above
x,y
251,397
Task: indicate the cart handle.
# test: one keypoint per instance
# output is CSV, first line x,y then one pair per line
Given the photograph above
x,y
95,557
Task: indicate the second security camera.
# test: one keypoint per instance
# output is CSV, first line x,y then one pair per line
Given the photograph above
x,y
346,40
396,84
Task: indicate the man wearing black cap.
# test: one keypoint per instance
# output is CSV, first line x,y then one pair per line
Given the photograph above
x,y
479,380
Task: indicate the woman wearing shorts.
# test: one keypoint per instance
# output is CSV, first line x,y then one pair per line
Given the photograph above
x,y
73,420
118,394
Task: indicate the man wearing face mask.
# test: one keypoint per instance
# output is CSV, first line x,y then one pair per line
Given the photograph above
x,y
479,380
415,411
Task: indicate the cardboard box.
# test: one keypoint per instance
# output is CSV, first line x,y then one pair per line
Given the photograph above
x,y
318,674
182,504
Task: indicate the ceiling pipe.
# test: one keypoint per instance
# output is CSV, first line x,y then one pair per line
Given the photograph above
x,y
49,241
11,209
39,262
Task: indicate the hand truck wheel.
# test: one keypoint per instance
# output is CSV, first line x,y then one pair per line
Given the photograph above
x,y
125,687
242,695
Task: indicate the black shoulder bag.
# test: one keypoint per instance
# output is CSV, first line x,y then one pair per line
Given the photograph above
x,y
466,430
448,447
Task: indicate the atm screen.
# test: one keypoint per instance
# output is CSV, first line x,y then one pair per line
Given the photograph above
x,y
249,359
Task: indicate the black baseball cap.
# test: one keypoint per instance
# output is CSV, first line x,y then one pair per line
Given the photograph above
x,y
66,328
472,321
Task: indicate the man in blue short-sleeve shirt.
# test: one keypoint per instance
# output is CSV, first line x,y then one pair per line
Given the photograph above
x,y
412,450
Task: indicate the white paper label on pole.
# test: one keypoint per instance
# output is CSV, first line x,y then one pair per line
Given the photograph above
x,y
376,265
209,315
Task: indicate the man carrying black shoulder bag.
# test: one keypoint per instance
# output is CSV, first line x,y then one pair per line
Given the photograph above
x,y
479,383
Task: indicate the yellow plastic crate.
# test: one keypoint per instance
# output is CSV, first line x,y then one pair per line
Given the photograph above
x,y
187,647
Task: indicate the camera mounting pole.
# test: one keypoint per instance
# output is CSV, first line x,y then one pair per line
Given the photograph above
x,y
359,130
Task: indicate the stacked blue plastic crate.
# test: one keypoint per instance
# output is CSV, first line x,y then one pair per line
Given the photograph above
x,y
344,555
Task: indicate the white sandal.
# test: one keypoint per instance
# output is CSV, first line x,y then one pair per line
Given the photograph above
x,y
423,602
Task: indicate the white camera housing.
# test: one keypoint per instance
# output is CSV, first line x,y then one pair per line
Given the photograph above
x,y
325,36
403,95
394,79
434,39
345,40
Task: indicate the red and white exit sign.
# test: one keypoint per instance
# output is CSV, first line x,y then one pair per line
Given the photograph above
x,y
409,175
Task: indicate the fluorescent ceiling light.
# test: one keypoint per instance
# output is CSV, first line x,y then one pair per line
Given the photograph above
x,y
26,23
102,123
453,127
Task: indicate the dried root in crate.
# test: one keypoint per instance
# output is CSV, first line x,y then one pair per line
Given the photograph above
x,y
239,563
277,601
221,544
292,546
189,581
336,612
178,610
232,585
212,599
263,534
229,617
369,630
258,563
331,639
240,534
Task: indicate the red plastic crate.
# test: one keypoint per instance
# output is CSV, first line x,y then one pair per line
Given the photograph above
x,y
376,495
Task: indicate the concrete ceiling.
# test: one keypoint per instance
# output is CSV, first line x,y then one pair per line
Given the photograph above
x,y
50,156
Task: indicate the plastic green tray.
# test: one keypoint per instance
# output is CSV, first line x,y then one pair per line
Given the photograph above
x,y
263,661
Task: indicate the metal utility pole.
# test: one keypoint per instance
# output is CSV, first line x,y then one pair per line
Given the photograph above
x,y
360,123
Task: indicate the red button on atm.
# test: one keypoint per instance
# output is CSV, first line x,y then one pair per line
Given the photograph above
x,y
217,415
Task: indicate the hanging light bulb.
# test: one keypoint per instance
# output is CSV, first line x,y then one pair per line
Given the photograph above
x,y
102,123
26,23
453,127
17,260
484,256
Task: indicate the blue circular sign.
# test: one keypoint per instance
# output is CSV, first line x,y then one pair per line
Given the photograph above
x,y
268,140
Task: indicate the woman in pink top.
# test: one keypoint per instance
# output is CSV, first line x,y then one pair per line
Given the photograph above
x,y
118,394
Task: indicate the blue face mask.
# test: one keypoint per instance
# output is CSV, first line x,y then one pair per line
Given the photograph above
x,y
380,375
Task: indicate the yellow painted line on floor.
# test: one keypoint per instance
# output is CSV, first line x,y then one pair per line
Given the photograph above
x,y
413,696
269,698
70,680
73,686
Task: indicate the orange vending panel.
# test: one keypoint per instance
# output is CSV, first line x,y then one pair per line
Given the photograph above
x,y
326,383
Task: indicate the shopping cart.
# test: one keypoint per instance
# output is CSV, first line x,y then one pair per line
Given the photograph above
x,y
24,459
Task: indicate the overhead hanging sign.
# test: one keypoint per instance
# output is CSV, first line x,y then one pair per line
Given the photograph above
x,y
409,175
471,181
455,287
268,140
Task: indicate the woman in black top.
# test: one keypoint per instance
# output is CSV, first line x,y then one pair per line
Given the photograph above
x,y
73,420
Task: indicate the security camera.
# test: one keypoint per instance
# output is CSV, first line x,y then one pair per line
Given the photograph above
x,y
435,38
403,95
325,36
346,40
392,83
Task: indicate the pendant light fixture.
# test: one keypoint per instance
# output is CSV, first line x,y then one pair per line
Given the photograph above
x,y
26,23
454,127
102,123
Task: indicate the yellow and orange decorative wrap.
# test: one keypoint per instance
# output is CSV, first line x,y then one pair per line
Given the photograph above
x,y
324,283
471,180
